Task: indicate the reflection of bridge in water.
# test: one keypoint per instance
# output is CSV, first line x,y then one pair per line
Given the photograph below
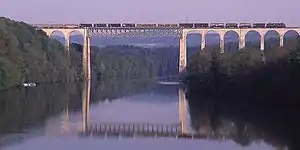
x,y
132,130
204,125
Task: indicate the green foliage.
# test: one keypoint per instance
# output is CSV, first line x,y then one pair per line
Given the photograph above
x,y
248,69
27,55
115,62
240,62
257,93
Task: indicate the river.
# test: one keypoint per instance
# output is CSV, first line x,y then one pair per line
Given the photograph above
x,y
56,116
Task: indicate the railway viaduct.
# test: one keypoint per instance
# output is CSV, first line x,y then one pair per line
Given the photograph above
x,y
180,32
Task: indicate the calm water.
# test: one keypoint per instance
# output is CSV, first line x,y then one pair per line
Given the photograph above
x,y
50,117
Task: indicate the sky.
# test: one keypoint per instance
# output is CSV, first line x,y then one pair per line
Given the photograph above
x,y
151,11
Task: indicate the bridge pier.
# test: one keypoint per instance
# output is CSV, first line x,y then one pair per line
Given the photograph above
x,y
86,54
222,45
262,43
182,53
203,40
242,43
281,39
202,43
67,43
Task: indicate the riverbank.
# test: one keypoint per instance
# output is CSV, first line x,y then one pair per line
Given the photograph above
x,y
245,72
261,91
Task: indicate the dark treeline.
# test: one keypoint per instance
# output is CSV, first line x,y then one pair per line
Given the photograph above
x,y
115,62
255,86
211,69
129,62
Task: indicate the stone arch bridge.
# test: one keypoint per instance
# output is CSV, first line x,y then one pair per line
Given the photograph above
x,y
161,32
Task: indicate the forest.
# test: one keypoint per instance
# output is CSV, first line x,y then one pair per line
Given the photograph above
x,y
258,91
213,71
127,62
28,55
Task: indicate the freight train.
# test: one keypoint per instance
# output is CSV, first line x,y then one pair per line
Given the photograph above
x,y
179,25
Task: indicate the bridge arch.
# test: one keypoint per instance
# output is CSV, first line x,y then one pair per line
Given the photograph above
x,y
61,36
194,39
231,41
291,33
290,39
271,40
212,39
65,33
58,35
76,37
53,32
253,40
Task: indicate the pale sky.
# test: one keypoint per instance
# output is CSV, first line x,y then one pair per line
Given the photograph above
x,y
151,11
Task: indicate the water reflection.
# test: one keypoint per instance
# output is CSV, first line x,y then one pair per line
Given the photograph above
x,y
132,129
23,110
221,120
86,91
57,113
53,109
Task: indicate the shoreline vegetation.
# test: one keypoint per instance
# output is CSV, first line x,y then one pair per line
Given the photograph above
x,y
248,71
261,89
